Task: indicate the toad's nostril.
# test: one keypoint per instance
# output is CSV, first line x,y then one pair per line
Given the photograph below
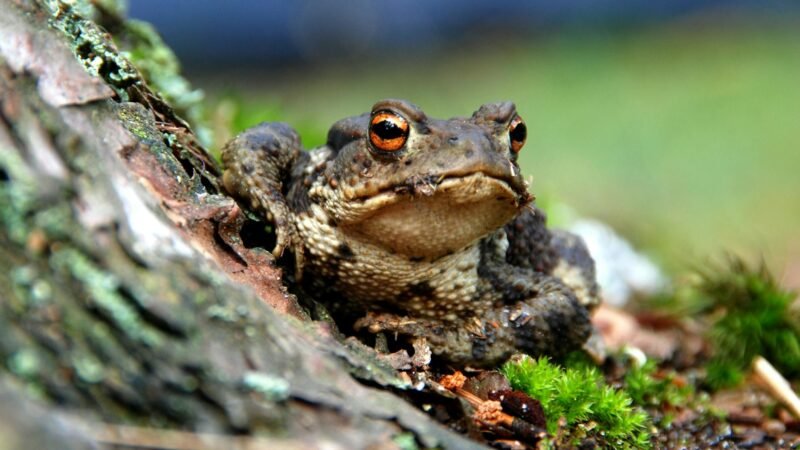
x,y
453,139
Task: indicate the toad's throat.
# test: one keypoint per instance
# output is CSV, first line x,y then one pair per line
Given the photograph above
x,y
456,213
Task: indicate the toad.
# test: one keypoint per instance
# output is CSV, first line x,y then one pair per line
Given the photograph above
x,y
422,229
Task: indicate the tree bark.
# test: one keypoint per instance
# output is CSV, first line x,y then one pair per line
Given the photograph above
x,y
127,296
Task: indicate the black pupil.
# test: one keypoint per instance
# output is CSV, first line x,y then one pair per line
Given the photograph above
x,y
387,129
519,132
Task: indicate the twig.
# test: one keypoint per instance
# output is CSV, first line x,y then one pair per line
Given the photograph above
x,y
777,385
490,412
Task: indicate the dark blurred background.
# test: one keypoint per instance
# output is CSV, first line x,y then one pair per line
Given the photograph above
x,y
677,122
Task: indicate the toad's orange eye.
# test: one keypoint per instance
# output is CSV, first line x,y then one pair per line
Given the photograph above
x,y
388,132
517,132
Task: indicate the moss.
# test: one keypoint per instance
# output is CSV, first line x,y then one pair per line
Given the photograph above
x,y
753,316
747,314
580,397
647,389
663,392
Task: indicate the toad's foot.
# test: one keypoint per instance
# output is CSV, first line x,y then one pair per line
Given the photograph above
x,y
539,316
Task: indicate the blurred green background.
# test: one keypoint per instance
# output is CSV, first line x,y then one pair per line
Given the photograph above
x,y
683,134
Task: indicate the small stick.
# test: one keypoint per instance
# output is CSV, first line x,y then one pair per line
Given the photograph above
x,y
777,385
490,412
455,382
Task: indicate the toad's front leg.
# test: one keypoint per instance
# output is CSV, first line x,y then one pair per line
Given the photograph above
x,y
258,162
540,313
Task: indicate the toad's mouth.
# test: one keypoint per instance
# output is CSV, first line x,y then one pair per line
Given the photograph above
x,y
426,185
430,218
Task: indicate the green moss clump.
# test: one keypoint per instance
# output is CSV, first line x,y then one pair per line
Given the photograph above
x,y
746,314
648,389
579,395
663,393
751,316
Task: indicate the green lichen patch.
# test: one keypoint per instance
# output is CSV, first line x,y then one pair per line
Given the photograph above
x,y
25,363
272,387
31,290
17,195
103,291
405,441
88,368
27,205
92,46
224,313
139,121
